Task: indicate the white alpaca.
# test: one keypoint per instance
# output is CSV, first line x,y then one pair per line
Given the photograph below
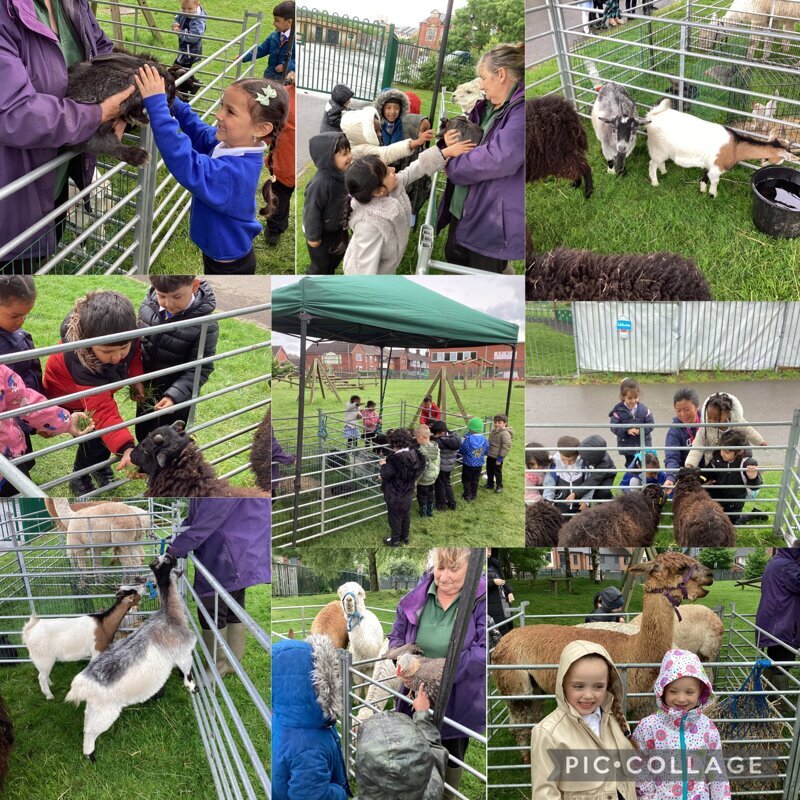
x,y
363,627
467,94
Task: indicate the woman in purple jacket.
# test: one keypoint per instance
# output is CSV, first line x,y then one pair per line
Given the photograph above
x,y
423,616
484,200
37,44
231,539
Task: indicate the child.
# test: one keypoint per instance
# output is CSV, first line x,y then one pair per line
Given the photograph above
x,y
174,297
611,14
279,45
734,476
536,458
473,452
326,207
685,425
430,450
679,727
190,25
307,762
14,439
341,96
588,717
283,163
220,166
381,211
632,479
429,412
598,471
391,105
559,484
499,445
352,414
362,127
399,473
98,313
17,297
449,444
626,418
606,603
371,420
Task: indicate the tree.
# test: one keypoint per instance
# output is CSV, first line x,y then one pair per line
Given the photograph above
x,y
372,557
567,565
595,552
717,557
755,562
483,23
531,559
453,73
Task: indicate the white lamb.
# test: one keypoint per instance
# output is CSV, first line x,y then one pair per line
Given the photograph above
x,y
770,14
363,627
134,669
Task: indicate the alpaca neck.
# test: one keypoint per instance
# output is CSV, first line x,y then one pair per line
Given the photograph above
x,y
658,622
61,507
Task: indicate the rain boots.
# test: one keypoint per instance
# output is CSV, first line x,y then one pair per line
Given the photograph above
x,y
235,636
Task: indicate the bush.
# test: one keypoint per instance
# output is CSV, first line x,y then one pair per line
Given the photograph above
x,y
755,562
452,74
717,557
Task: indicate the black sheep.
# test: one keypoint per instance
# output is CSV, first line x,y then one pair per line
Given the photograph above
x,y
467,131
543,521
697,519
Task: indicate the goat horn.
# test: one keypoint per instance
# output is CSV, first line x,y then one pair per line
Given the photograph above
x,y
158,439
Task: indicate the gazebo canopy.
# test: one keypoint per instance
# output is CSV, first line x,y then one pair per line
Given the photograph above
x,y
389,312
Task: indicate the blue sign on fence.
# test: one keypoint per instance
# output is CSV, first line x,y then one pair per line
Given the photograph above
x,y
624,325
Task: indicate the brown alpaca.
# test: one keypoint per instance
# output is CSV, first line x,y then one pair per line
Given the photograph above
x,y
697,519
331,621
542,644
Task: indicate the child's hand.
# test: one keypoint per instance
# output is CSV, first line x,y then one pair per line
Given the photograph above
x,y
138,393
583,506
424,138
164,402
125,461
175,26
668,484
421,701
633,431
752,473
458,149
75,420
382,461
149,82
571,496
499,460
279,68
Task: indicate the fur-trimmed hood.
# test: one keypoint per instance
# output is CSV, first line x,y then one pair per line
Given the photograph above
x,y
359,126
394,96
71,332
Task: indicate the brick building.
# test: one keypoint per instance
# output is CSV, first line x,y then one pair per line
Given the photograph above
x,y
431,30
498,354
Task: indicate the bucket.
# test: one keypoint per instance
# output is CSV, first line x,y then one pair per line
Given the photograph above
x,y
776,201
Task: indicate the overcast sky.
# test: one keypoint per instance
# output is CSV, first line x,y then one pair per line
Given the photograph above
x,y
406,14
502,297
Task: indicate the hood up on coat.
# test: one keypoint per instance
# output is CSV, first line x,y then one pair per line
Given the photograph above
x,y
681,664
71,332
322,149
610,598
341,93
394,96
569,655
592,457
359,126
737,412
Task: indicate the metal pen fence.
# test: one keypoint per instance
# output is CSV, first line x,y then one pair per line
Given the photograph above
x,y
510,779
357,676
779,464
122,221
249,414
291,580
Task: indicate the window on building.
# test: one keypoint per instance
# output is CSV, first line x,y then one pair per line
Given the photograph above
x,y
575,558
430,35
439,356
359,357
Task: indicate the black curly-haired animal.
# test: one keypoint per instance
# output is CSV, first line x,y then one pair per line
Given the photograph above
x,y
176,468
556,143
467,131
261,454
697,519
6,740
630,520
543,521
564,274
105,75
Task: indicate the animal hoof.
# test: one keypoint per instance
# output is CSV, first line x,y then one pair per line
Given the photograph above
x,y
136,156
703,187
91,757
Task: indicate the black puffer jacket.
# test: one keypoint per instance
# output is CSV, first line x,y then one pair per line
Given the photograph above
x,y
29,370
178,346
326,203
332,118
599,483
399,475
449,443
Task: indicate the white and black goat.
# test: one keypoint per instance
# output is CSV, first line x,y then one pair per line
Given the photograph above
x,y
134,669
615,123
75,638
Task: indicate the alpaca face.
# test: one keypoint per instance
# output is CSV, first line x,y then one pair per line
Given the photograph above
x,y
670,571
352,597
160,447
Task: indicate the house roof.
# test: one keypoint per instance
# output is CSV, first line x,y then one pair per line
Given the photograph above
x,y
339,347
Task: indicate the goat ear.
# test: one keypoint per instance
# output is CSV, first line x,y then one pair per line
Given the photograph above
x,y
179,425
161,459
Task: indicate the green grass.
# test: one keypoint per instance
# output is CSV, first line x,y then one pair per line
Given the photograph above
x,y
494,517
549,352
55,299
476,753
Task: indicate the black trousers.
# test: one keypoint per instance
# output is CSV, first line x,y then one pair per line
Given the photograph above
x,y
278,220
143,428
470,478
399,522
425,495
494,473
323,261
456,254
224,614
443,491
7,489
90,453
246,265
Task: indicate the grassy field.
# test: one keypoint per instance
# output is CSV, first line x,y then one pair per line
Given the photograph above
x,y
498,516
388,599
55,299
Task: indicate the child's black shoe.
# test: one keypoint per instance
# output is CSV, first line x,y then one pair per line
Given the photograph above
x,y
391,542
81,486
104,476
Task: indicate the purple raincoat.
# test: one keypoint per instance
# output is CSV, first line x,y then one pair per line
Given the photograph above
x,y
35,119
231,539
779,606
279,456
493,218
467,704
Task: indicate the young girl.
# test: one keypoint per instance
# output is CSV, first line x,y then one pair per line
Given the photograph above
x,y
734,477
14,440
17,296
220,166
536,457
381,215
399,473
371,420
626,418
352,414
588,717
633,474
682,690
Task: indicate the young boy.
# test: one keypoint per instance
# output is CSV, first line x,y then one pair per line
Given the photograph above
x,y
100,313
560,482
17,298
632,479
627,417
449,444
341,96
733,475
473,454
325,210
425,490
399,473
174,297
276,45
190,25
499,445
598,471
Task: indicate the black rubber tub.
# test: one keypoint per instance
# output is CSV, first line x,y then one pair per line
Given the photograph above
x,y
776,201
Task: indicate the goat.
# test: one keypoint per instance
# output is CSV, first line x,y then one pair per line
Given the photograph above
x,y
467,94
697,519
51,641
176,468
134,669
693,142
543,521
564,274
615,122
467,131
555,143
6,740
782,14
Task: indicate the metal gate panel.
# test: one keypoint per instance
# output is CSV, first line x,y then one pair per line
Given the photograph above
x,y
789,348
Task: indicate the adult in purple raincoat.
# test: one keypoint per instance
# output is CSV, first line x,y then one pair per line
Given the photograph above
x,y
230,537
484,200
425,616
35,119
279,456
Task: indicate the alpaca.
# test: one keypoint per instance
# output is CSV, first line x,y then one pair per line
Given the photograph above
x,y
6,740
467,94
699,630
543,521
556,143
630,520
697,519
363,627
670,578
261,454
331,622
